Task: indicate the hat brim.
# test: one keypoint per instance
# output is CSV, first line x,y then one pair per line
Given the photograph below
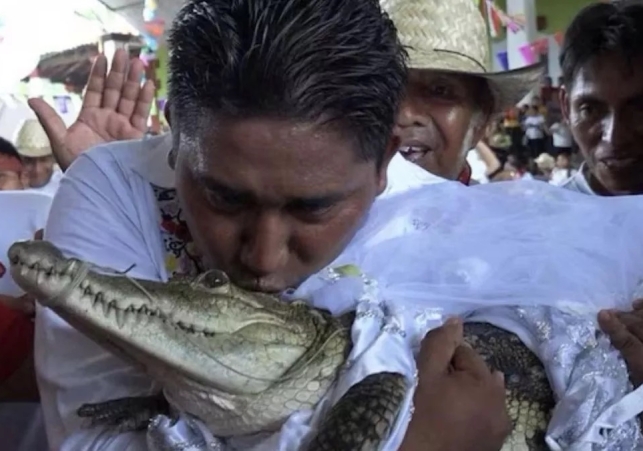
x,y
34,152
508,87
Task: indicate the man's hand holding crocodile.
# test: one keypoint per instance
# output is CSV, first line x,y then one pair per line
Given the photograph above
x,y
460,404
625,330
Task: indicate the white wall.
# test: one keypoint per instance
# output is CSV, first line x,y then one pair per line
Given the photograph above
x,y
12,115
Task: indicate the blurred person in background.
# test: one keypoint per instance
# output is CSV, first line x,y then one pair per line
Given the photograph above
x,y
602,100
535,131
12,174
518,166
451,95
34,148
602,97
539,105
512,125
546,165
562,138
563,170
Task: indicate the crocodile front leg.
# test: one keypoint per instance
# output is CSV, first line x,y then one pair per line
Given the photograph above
x,y
125,414
364,417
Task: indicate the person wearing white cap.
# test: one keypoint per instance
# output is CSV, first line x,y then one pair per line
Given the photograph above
x,y
451,91
546,164
37,157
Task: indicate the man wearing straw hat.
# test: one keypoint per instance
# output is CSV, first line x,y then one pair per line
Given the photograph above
x,y
451,93
34,148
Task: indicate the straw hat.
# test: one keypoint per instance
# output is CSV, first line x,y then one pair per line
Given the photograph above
x,y
32,141
451,35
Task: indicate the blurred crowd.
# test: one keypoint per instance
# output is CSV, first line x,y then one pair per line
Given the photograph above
x,y
533,140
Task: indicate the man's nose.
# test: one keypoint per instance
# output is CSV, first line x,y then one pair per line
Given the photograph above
x,y
265,246
412,113
617,130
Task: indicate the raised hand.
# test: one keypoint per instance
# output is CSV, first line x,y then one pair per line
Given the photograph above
x,y
115,107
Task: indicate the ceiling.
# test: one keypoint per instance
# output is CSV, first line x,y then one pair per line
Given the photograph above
x,y
132,10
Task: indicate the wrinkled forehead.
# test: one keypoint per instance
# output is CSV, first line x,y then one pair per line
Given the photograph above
x,y
611,78
427,76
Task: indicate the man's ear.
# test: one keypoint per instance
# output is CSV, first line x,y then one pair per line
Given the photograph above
x,y
166,113
563,99
389,153
480,129
171,158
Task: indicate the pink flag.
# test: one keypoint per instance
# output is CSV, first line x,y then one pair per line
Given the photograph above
x,y
527,53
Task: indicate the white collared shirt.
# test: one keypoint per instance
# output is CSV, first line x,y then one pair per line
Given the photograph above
x,y
105,212
577,182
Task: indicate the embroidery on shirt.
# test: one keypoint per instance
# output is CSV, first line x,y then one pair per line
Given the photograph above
x,y
182,257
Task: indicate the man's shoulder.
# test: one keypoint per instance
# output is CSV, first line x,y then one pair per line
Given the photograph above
x,y
120,160
126,153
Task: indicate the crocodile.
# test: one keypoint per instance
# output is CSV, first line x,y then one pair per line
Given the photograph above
x,y
243,362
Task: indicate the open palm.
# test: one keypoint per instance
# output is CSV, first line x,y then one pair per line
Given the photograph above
x,y
115,107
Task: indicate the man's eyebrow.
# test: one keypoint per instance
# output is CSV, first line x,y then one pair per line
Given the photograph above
x,y
330,198
586,96
214,185
323,200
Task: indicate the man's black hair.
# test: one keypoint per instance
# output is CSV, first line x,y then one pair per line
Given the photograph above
x,y
8,149
602,28
336,61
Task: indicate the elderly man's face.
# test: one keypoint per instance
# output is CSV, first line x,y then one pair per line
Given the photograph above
x,y
39,170
440,120
604,107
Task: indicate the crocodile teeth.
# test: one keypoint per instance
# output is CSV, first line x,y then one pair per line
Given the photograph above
x,y
121,317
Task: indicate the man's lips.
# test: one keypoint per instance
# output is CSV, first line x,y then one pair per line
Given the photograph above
x,y
622,163
413,151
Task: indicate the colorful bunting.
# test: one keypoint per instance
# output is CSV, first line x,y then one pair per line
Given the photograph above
x,y
528,54
155,28
503,59
497,19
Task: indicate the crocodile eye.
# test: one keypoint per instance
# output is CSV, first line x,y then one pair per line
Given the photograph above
x,y
213,279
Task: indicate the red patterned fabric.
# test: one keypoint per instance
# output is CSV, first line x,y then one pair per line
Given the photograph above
x,y
16,340
465,175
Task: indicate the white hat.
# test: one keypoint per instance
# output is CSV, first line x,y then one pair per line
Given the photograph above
x,y
32,141
451,36
545,161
